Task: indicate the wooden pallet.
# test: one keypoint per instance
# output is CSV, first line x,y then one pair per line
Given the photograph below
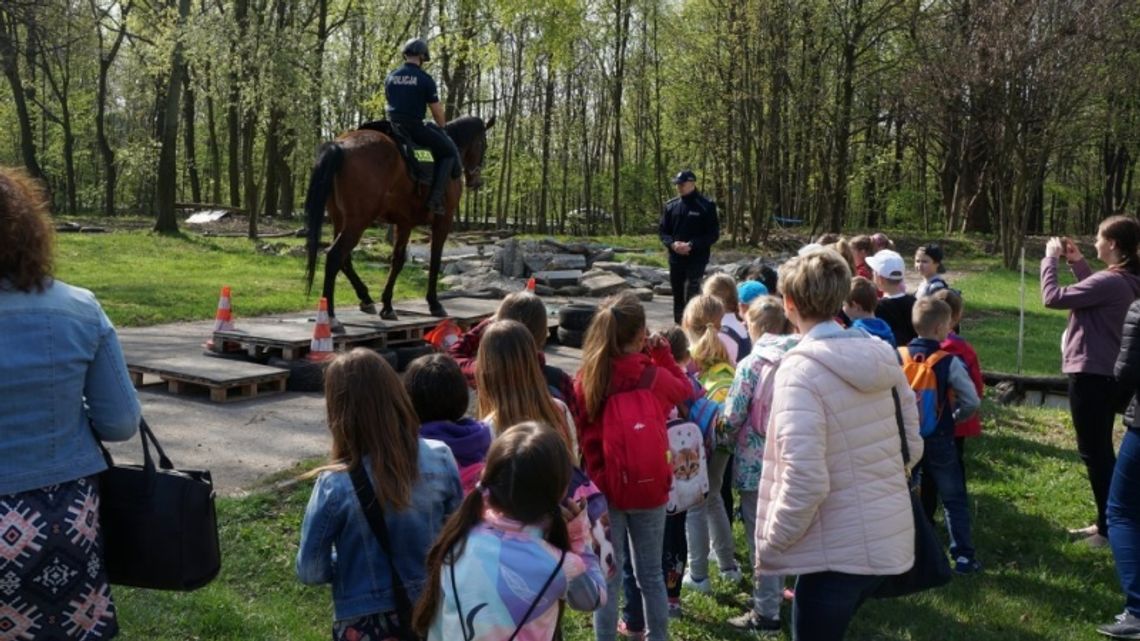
x,y
410,328
290,339
225,379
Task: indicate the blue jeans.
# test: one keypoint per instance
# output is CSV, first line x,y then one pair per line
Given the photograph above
x,y
826,602
645,530
673,556
940,462
1123,513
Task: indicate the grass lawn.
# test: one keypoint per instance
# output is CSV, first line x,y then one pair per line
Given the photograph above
x,y
1027,486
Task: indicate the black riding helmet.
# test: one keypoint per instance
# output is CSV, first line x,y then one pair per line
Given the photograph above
x,y
417,47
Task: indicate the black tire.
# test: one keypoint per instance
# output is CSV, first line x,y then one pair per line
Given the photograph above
x,y
304,376
576,316
405,354
570,337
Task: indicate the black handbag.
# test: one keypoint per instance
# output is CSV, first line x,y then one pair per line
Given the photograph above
x,y
375,515
160,529
930,569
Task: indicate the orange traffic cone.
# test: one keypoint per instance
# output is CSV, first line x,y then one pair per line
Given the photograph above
x,y
530,283
223,321
321,347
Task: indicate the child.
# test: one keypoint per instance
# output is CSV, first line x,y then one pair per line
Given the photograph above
x,y
879,242
675,547
747,292
860,308
895,305
529,310
928,263
746,415
932,322
415,482
510,383
626,374
701,323
958,346
734,334
514,549
861,247
439,395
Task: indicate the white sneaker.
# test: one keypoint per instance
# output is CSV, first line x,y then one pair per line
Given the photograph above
x,y
704,586
732,575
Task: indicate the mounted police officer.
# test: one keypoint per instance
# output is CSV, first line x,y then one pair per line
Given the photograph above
x,y
410,90
688,229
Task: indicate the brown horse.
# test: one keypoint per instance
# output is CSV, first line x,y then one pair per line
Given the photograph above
x,y
361,178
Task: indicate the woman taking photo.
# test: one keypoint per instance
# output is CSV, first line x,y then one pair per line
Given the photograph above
x,y
1097,304
63,385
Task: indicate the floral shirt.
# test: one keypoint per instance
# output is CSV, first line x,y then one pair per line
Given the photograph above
x,y
747,405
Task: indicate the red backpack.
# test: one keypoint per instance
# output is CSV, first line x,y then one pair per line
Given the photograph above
x,y
635,447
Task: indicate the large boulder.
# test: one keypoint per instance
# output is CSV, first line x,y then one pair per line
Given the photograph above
x,y
560,278
643,293
508,259
566,261
602,283
621,269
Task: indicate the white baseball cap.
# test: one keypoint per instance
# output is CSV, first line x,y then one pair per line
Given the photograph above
x,y
888,264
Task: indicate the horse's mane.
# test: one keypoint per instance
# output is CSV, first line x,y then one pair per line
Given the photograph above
x,y
464,129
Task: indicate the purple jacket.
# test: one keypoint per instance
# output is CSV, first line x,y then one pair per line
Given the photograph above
x,y
1097,304
468,439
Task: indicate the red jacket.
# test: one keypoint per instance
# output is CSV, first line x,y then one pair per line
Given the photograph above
x,y
956,345
670,385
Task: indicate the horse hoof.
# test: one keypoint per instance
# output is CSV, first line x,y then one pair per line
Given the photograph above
x,y
336,326
388,314
435,309
368,308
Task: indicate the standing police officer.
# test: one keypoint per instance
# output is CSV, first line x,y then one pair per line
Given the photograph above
x,y
410,90
688,229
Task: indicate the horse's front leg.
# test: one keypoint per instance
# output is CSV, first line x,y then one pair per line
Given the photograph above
x,y
441,226
399,254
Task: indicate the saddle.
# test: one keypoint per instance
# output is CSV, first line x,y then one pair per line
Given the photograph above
x,y
418,159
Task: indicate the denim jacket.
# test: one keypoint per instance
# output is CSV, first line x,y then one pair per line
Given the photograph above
x,y
338,547
63,381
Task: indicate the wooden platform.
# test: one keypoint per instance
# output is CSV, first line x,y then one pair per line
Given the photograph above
x,y
225,379
465,311
290,338
410,328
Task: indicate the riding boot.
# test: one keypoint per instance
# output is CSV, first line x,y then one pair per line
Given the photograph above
x,y
441,177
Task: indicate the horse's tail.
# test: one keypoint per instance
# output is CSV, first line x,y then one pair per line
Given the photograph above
x,y
329,158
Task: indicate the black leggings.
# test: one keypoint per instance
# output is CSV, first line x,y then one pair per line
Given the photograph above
x,y
1092,403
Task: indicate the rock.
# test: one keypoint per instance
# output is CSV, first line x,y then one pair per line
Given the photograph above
x,y
537,262
451,269
543,290
643,293
637,283
655,275
571,290
621,269
508,259
663,289
560,278
605,254
602,283
567,261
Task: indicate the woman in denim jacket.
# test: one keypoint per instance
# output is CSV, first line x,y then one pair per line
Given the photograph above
x,y
416,481
63,383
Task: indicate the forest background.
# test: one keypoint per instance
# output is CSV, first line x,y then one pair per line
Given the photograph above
x,y
1009,117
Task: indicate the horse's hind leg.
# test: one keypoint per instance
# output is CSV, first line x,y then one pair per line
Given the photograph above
x,y
339,255
367,305
399,254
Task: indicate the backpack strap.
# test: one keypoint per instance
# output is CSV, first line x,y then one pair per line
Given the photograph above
x,y
374,512
648,375
904,351
534,604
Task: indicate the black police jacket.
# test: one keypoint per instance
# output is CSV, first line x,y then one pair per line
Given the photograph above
x,y
690,219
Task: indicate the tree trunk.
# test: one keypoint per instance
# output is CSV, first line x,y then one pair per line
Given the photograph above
x,y
621,17
547,120
188,117
842,140
168,152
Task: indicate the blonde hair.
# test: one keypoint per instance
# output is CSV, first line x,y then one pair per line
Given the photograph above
x,y
928,315
370,414
723,287
614,327
817,282
529,310
766,316
509,378
701,322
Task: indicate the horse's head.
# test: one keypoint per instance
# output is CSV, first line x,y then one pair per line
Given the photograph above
x,y
470,135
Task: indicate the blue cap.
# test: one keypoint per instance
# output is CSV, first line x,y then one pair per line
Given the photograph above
x,y
685,176
750,290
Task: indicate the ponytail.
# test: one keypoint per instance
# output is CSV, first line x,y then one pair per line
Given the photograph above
x,y
708,348
447,548
701,321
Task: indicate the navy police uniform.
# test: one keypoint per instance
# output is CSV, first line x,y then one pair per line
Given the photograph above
x,y
690,219
409,91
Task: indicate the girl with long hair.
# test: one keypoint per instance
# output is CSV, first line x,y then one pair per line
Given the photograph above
x,y
514,549
1097,304
511,386
415,482
715,371
618,359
